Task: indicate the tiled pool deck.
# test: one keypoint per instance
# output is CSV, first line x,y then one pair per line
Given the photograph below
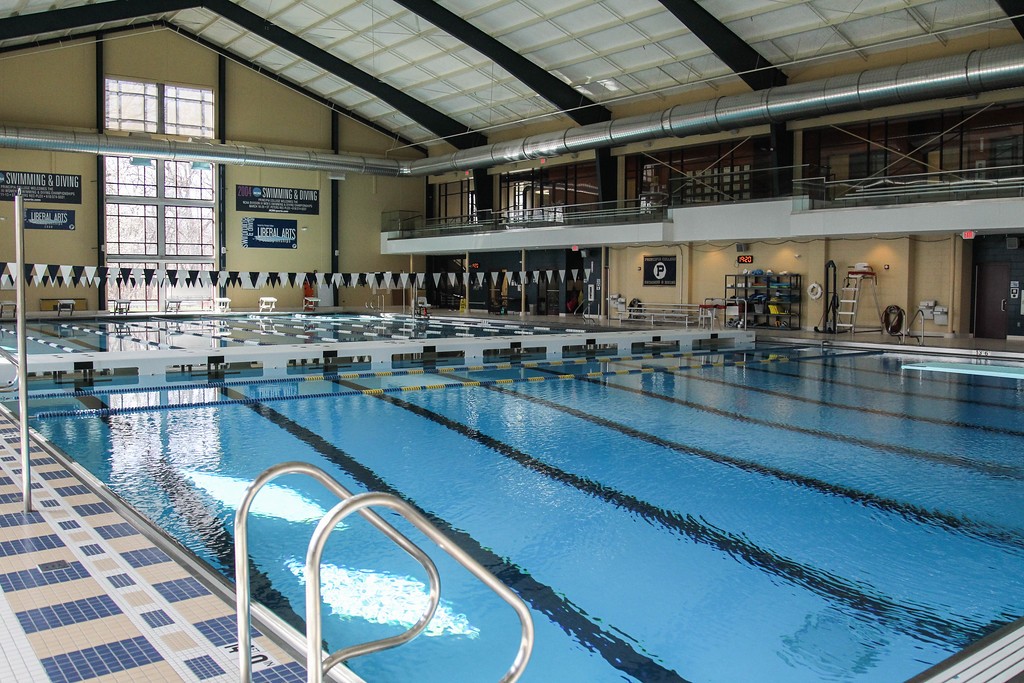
x,y
88,597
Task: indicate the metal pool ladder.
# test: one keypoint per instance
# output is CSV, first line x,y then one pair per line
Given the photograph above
x,y
316,666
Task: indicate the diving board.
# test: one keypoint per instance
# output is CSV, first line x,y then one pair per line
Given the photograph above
x,y
1010,371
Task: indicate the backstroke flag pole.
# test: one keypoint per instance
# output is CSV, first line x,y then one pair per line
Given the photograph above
x,y
19,257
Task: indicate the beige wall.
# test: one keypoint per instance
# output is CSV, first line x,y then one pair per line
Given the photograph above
x,y
55,88
919,268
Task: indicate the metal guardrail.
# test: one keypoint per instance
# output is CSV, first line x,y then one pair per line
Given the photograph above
x,y
975,183
317,667
565,215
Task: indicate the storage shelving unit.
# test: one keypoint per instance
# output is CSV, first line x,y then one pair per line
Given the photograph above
x,y
763,300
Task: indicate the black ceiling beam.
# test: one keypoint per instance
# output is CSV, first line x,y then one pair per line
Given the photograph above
x,y
27,25
755,70
163,23
436,122
1015,10
439,124
576,105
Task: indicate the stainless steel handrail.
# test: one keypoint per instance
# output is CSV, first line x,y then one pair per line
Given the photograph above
x,y
13,384
316,665
243,600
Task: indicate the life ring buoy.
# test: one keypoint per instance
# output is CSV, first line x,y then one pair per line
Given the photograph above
x,y
814,291
892,319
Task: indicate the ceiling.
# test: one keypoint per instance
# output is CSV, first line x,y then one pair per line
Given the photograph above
x,y
493,65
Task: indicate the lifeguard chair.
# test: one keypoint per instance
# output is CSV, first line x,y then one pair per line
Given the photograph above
x,y
422,308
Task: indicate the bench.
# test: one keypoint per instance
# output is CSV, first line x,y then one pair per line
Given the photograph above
x,y
122,306
267,303
678,314
5,305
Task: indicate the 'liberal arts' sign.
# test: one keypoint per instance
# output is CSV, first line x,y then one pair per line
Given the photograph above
x,y
276,199
49,219
57,188
269,233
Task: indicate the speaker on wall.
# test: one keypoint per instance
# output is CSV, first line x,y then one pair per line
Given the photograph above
x,y
742,246
1013,243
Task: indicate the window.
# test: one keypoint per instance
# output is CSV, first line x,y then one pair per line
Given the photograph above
x,y
162,211
159,108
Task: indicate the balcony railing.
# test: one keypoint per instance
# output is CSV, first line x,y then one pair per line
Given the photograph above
x,y
559,215
942,186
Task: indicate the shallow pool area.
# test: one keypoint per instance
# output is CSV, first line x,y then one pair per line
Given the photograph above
x,y
780,514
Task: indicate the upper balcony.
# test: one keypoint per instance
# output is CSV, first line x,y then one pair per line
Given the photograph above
x,y
547,227
812,194
716,207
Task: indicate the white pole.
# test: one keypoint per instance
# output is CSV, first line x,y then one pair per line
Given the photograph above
x,y
19,257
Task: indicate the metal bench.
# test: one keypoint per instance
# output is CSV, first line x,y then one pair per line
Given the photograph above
x,y
678,314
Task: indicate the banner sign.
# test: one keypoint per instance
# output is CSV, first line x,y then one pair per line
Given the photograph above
x,y
276,199
659,270
58,188
49,219
270,233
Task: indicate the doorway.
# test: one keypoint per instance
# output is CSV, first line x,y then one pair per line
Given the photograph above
x,y
991,299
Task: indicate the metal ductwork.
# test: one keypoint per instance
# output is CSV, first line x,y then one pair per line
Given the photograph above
x,y
235,155
972,73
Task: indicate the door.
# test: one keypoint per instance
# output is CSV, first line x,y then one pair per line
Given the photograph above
x,y
991,299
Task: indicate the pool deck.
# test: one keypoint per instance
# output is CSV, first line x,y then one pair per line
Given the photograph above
x,y
89,593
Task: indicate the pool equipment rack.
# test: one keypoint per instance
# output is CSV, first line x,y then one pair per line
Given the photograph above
x,y
316,666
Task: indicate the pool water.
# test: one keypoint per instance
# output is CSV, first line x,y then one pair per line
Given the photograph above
x,y
771,515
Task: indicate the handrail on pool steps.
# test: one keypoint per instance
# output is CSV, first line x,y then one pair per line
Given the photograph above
x,y
316,665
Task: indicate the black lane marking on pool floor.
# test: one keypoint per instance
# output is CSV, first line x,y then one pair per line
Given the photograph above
x,y
898,392
914,513
619,653
214,532
826,585
983,381
961,462
876,411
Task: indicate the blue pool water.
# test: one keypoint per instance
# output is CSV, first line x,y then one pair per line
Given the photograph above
x,y
782,516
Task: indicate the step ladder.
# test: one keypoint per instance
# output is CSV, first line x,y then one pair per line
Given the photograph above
x,y
317,666
849,299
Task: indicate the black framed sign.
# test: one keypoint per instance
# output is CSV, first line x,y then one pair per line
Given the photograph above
x,y
659,271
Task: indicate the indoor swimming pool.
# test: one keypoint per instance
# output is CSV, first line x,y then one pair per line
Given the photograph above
x,y
787,514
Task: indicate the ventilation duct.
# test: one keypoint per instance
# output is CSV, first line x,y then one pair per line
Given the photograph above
x,y
235,155
972,73
957,76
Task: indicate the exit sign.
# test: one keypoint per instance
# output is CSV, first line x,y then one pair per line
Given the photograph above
x,y
967,234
